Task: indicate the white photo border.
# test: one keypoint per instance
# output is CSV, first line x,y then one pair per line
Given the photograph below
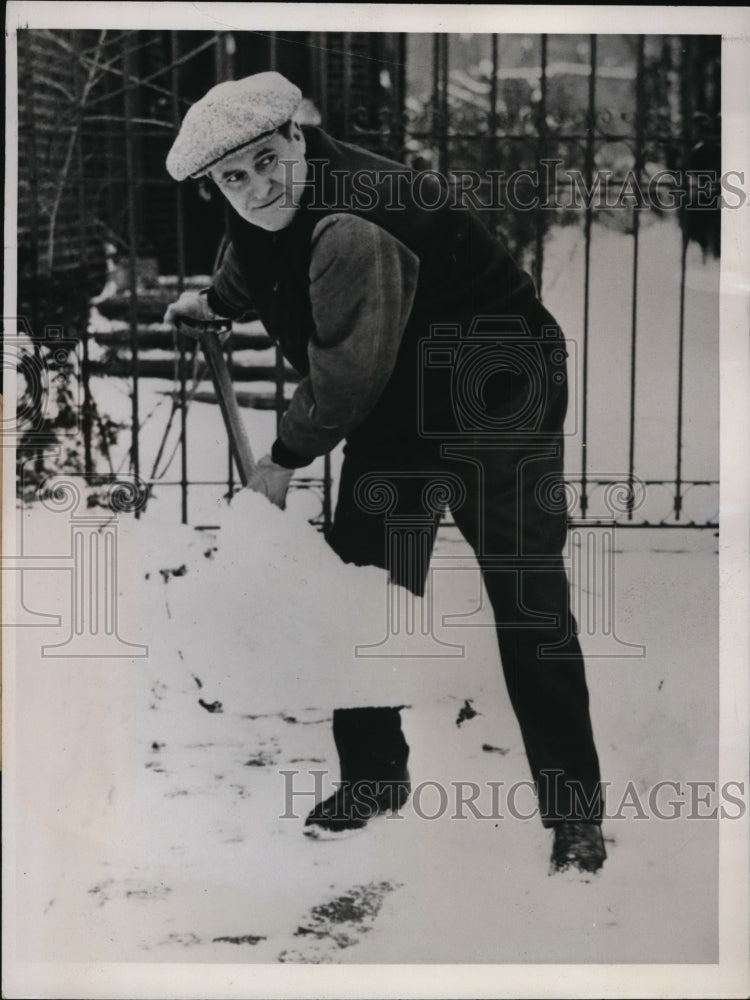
x,y
730,976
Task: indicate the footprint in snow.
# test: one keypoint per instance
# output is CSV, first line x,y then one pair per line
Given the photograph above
x,y
337,924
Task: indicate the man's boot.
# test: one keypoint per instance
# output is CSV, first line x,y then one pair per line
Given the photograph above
x,y
577,844
374,779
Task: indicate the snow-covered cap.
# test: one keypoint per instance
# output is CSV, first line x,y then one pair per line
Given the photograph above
x,y
228,117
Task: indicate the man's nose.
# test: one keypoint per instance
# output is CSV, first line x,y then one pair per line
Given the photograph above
x,y
260,187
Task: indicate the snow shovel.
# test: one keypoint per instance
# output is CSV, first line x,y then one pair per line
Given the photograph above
x,y
230,411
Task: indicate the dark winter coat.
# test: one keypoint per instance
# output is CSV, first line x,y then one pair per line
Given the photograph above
x,y
355,287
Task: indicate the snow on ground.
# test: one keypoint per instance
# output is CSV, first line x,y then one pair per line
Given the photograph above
x,y
154,829
151,828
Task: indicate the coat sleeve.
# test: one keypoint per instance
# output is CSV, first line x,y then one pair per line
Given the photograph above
x,y
362,285
228,295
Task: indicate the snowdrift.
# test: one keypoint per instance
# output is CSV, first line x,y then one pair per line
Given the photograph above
x,y
265,616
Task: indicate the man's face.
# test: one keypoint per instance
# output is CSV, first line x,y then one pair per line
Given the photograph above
x,y
264,182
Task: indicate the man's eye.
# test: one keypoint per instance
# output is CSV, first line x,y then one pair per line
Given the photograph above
x,y
266,162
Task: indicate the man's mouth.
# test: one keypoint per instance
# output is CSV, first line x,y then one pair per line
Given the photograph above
x,y
259,208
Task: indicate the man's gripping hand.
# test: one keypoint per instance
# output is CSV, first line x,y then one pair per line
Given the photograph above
x,y
271,480
192,309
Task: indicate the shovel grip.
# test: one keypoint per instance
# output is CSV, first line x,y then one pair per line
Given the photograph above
x,y
230,411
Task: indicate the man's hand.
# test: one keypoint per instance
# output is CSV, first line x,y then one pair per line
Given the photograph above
x,y
271,480
191,307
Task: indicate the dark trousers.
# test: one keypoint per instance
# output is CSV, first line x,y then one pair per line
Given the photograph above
x,y
507,498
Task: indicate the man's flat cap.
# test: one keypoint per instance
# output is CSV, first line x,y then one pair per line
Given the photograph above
x,y
228,117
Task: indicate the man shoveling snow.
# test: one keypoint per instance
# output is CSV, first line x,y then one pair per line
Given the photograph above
x,y
425,348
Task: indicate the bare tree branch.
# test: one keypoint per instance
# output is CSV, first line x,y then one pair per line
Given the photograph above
x,y
56,85
72,140
137,121
135,82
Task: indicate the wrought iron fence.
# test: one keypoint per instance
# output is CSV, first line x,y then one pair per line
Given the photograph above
x,y
497,111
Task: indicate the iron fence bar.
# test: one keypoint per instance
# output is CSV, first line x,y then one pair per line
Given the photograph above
x,y
435,128
593,482
327,519
399,96
278,356
589,169
181,340
635,525
129,100
347,88
279,379
450,525
222,249
323,78
219,71
179,204
88,401
542,147
224,70
435,85
490,142
440,99
230,48
687,49
26,62
273,49
638,169
180,226
492,120
444,63
230,456
655,482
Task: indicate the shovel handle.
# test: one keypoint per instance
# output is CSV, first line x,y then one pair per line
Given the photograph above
x,y
230,411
